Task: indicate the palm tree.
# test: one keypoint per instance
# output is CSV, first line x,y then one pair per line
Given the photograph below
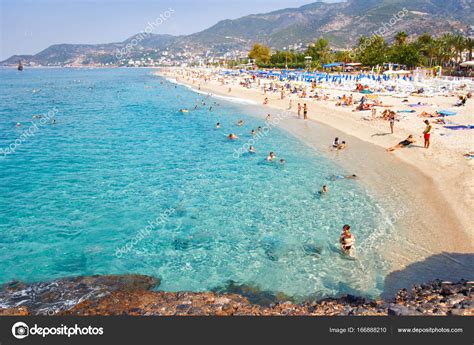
x,y
401,38
344,56
469,47
426,47
448,47
459,45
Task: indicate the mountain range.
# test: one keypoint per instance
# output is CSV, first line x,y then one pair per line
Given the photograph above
x,y
341,23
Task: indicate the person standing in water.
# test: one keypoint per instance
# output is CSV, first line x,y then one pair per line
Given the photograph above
x,y
427,134
299,109
346,239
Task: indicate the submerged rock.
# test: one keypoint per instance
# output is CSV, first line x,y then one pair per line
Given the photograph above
x,y
50,298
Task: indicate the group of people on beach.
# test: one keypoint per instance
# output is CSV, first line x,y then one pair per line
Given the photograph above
x,y
339,145
367,102
411,140
305,110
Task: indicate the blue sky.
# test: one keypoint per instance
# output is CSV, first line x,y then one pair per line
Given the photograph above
x,y
29,26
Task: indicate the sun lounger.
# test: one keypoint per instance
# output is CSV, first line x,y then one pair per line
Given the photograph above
x,y
446,113
459,127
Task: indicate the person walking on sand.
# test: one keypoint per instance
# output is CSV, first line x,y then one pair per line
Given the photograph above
x,y
427,134
391,119
305,111
299,109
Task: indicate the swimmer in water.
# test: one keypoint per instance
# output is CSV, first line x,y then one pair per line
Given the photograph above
x,y
336,143
252,149
271,156
268,117
232,136
18,124
253,133
340,177
259,129
218,125
324,190
240,123
282,161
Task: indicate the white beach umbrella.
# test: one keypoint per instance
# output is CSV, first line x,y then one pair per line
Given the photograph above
x,y
467,64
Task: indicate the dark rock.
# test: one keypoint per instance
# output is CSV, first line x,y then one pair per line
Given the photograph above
x,y
447,290
182,308
457,312
400,310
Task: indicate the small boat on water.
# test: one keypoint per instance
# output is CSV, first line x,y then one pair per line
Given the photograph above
x,y
20,66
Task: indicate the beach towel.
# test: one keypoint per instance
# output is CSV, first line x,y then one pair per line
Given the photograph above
x,y
417,105
405,111
446,113
459,127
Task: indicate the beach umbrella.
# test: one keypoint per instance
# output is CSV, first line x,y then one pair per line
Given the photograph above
x,y
467,64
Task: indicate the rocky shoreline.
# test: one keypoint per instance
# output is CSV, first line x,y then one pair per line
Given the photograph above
x,y
133,295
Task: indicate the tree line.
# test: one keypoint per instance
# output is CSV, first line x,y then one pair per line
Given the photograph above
x,y
371,51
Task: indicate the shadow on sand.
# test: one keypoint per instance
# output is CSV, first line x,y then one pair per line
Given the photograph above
x,y
444,266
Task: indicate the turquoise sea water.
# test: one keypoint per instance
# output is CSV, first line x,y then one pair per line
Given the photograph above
x,y
121,155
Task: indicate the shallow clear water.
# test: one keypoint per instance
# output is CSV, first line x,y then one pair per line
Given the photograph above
x,y
121,155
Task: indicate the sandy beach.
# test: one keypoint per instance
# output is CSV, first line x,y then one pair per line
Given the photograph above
x,y
429,191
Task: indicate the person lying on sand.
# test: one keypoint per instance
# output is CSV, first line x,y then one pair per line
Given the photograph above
x,y
408,141
469,154
426,114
